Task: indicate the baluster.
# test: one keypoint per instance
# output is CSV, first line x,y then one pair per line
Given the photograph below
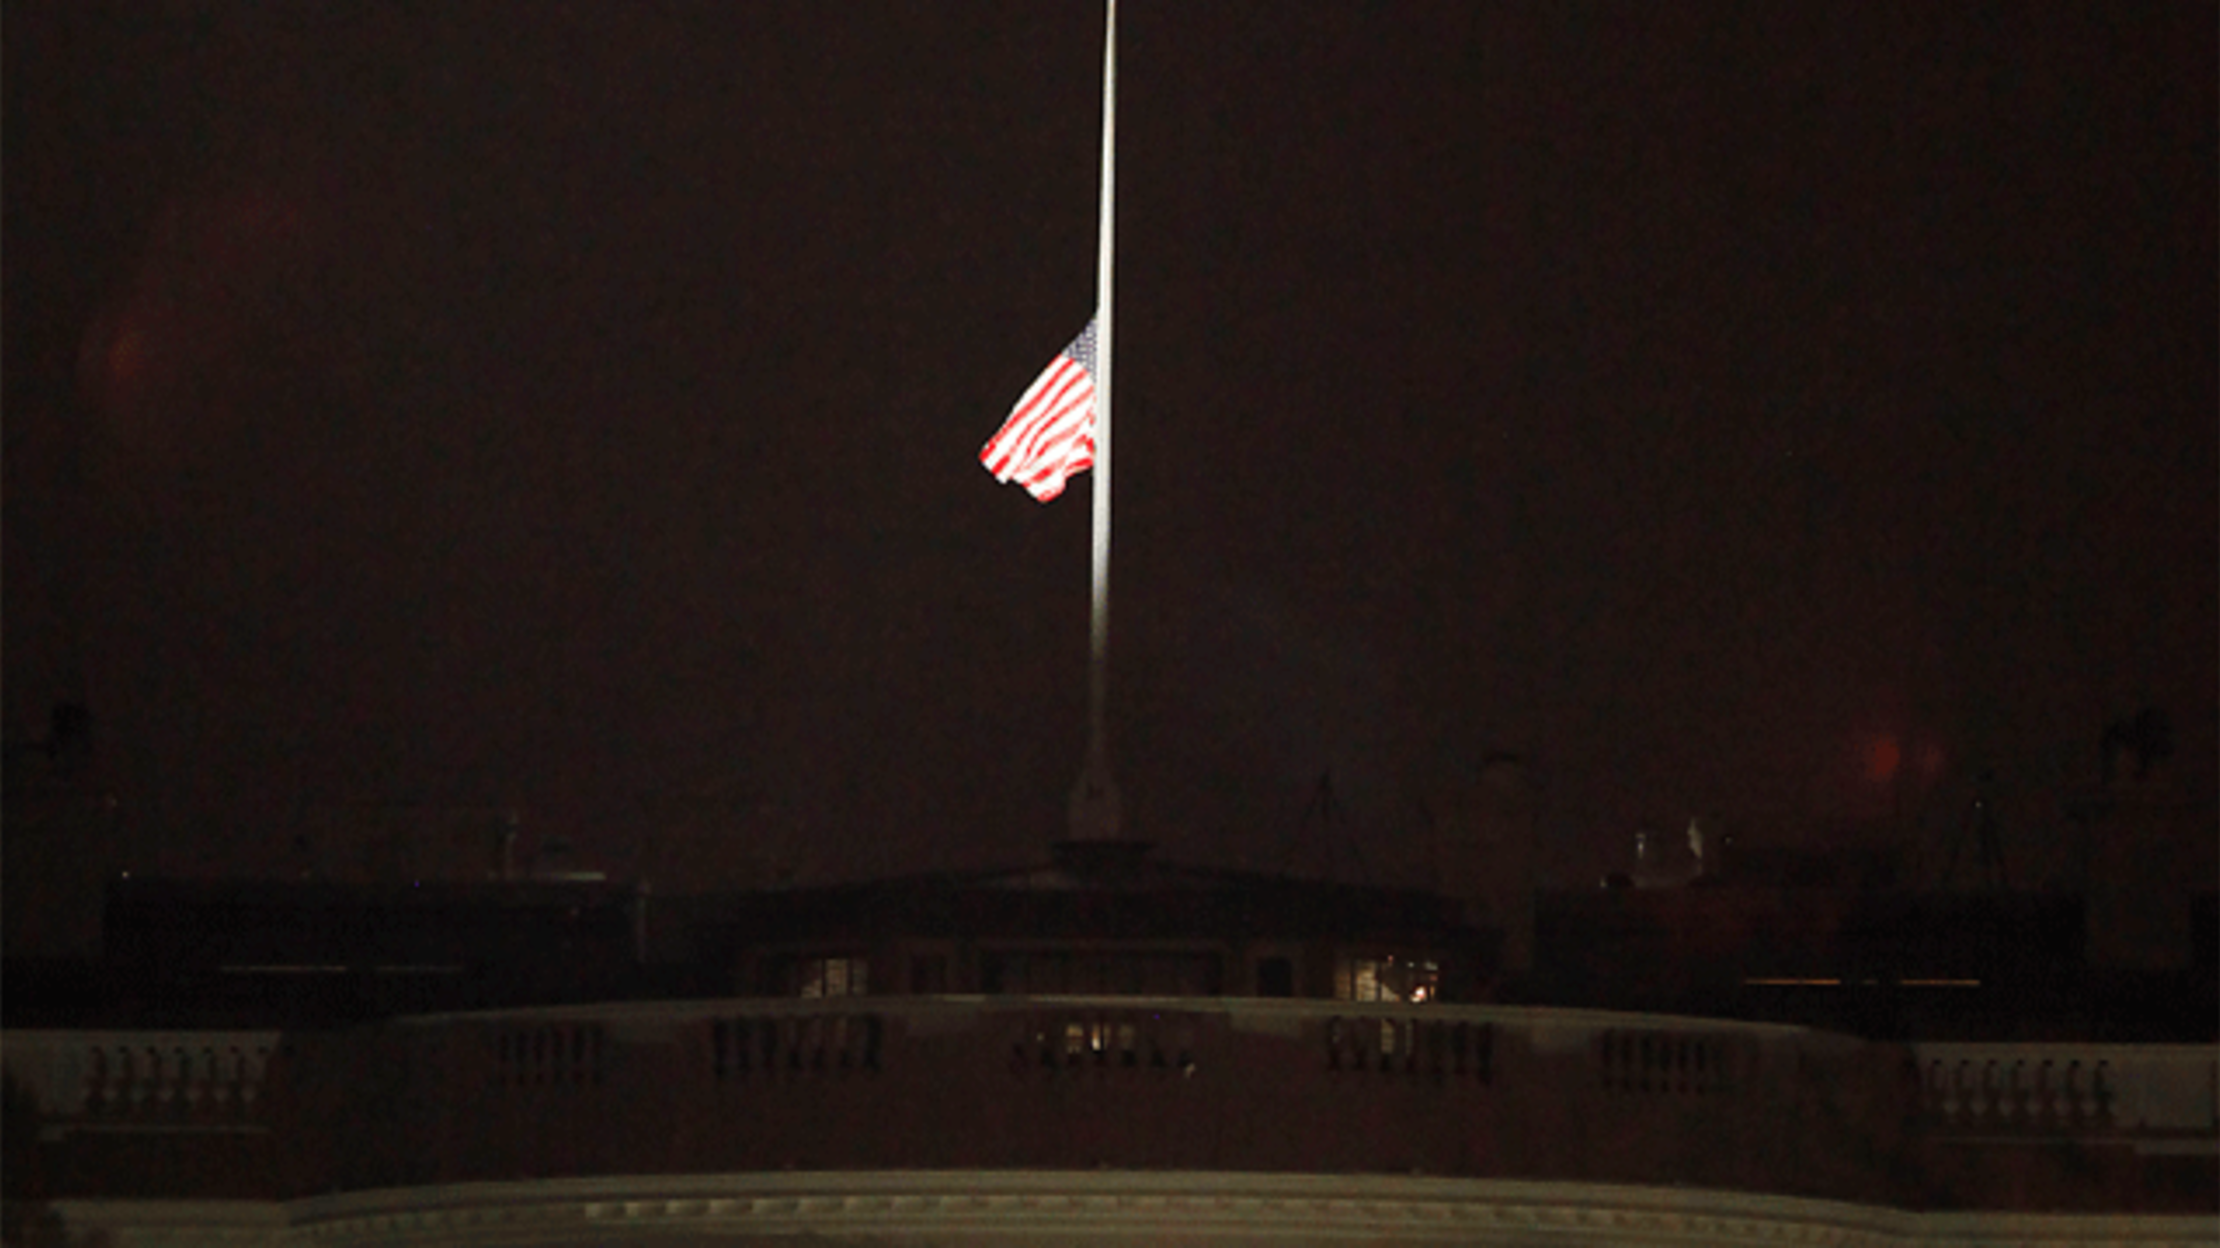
x,y
165,1076
96,1079
250,1078
196,1077
222,1076
146,1067
143,1062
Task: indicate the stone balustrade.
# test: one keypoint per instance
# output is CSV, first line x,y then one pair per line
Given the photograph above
x,y
763,1039
2155,1091
1082,1084
171,1080
1086,1082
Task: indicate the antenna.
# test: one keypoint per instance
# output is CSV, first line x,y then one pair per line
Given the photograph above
x,y
1979,825
1324,807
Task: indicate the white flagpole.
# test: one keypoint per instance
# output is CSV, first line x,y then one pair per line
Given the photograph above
x,y
1094,802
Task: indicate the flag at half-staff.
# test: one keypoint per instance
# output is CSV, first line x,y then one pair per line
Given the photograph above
x,y
1050,435
1061,427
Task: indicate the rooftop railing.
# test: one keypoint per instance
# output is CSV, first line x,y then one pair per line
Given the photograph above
x,y
2163,1097
1126,1083
180,1081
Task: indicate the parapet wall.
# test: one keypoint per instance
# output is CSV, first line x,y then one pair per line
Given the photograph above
x,y
1222,1086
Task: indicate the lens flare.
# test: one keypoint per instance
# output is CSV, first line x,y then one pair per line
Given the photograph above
x,y
1882,757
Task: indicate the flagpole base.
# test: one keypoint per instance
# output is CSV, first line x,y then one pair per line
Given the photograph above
x,y
1095,812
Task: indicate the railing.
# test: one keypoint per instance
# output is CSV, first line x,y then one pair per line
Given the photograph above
x,y
210,1078
744,1046
138,1080
1120,1082
1080,1083
763,1038
1462,1049
550,1054
2159,1091
1651,1060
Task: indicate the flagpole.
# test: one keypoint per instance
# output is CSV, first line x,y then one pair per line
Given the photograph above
x,y
1094,802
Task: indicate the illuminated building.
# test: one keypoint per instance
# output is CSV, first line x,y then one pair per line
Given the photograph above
x,y
1102,1047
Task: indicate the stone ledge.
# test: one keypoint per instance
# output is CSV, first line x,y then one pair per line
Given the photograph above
x,y
1098,1207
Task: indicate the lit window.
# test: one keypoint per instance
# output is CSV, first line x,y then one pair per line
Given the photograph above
x,y
835,977
1387,979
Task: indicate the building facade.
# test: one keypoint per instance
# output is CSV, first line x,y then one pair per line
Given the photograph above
x,y
1100,1049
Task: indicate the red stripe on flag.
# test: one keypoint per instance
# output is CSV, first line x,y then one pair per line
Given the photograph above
x,y
1050,433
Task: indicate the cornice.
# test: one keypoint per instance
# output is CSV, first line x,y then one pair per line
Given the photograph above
x,y
1103,1207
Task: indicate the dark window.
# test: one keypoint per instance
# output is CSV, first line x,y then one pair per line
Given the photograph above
x,y
929,974
1275,977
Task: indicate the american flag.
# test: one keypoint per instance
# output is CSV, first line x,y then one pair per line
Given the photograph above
x,y
1050,434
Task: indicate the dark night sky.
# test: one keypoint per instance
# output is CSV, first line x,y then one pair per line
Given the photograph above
x,y
574,408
